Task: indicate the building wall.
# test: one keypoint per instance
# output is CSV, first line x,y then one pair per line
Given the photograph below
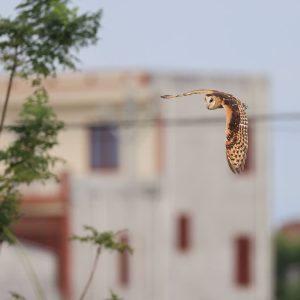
x,y
82,100
116,205
19,265
221,206
166,174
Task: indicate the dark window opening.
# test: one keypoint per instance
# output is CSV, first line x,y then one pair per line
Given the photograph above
x,y
183,233
242,261
104,147
124,268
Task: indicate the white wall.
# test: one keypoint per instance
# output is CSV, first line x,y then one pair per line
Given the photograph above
x,y
195,180
222,206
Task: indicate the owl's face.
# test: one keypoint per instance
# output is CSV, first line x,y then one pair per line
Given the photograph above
x,y
213,102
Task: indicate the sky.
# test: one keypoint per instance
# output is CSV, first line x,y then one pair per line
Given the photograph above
x,y
232,36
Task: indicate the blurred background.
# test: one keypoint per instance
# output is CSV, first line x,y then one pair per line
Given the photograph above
x,y
158,169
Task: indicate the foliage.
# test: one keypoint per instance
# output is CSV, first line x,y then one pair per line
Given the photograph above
x,y
44,36
17,296
287,253
107,240
27,159
113,296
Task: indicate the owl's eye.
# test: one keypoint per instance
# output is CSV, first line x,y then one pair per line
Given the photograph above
x,y
210,100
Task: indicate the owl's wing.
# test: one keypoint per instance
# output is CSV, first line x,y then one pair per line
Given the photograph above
x,y
236,133
190,93
236,126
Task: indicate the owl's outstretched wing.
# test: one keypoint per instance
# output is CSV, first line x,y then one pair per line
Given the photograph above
x,y
236,133
190,93
236,126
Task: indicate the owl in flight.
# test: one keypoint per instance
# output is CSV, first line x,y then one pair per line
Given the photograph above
x,y
236,124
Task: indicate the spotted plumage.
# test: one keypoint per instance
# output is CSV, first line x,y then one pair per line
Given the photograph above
x,y
236,124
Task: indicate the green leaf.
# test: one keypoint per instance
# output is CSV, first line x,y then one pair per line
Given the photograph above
x,y
113,296
17,296
107,240
28,158
42,38
44,35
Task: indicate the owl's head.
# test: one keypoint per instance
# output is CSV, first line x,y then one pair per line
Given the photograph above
x,y
213,102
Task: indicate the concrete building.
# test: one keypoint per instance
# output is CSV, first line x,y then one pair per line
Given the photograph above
x,y
158,169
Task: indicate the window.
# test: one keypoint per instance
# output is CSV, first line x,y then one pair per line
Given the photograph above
x,y
183,238
242,261
104,147
124,264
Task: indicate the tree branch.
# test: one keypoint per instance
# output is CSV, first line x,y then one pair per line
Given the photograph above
x,y
92,273
8,91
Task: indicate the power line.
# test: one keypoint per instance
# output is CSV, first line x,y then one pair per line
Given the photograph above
x,y
196,121
181,122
